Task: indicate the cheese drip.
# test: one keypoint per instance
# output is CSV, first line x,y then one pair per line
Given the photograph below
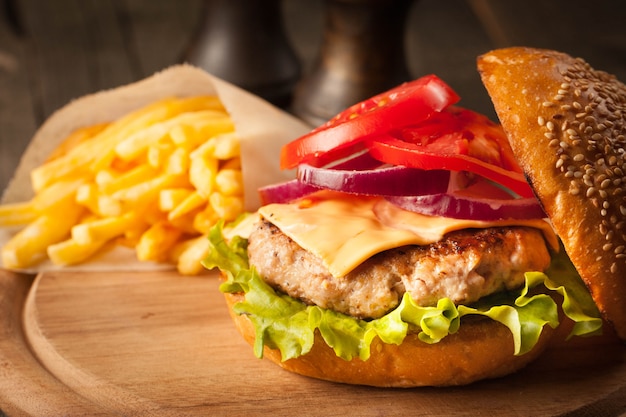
x,y
345,230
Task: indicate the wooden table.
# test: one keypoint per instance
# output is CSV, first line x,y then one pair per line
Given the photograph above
x,y
157,344
54,51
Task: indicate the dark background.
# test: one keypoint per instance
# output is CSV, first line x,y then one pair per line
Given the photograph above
x,y
57,50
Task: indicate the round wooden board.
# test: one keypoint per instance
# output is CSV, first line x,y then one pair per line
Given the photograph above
x,y
162,344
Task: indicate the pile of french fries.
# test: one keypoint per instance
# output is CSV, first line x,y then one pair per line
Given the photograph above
x,y
155,180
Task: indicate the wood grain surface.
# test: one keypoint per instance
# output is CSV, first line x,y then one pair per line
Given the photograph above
x,y
162,344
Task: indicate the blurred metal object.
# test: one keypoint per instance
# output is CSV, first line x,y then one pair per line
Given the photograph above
x,y
244,42
362,54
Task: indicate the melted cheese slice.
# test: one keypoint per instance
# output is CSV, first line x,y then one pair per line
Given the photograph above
x,y
345,230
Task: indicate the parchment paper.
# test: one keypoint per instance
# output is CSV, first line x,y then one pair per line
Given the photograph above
x,y
263,129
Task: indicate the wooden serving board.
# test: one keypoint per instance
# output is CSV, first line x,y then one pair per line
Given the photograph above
x,y
142,344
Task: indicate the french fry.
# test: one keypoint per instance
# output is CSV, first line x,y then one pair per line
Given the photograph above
x,y
148,191
97,202
77,160
87,196
142,119
177,162
70,252
106,176
204,220
134,145
229,182
17,214
155,180
159,152
225,146
195,136
130,178
185,223
58,194
105,228
227,207
169,198
28,247
190,255
190,203
202,173
75,138
155,243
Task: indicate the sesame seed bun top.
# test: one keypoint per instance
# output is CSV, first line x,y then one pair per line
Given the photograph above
x,y
567,126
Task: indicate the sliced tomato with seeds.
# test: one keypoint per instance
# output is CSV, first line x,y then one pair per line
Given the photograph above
x,y
456,139
406,104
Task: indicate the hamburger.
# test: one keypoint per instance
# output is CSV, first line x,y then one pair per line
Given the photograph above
x,y
424,245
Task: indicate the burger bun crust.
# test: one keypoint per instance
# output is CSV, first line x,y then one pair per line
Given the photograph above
x,y
481,349
566,123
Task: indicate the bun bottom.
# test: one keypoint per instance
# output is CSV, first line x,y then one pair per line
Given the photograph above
x,y
481,349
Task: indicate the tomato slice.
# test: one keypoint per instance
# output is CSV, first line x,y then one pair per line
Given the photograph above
x,y
408,103
458,140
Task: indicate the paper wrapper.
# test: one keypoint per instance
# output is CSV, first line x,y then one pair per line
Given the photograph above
x,y
263,129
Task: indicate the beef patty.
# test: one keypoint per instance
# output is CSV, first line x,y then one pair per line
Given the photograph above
x,y
464,266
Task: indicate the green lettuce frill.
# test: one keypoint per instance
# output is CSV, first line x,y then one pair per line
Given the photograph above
x,y
289,325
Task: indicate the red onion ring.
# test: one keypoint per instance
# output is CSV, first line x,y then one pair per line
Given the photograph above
x,y
389,181
285,192
459,206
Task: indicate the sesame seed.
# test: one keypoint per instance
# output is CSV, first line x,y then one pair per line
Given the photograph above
x,y
585,126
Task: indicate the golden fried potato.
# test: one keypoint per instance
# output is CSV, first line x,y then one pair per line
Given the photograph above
x,y
155,180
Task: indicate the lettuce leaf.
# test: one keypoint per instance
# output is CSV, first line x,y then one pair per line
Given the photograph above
x,y
289,325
